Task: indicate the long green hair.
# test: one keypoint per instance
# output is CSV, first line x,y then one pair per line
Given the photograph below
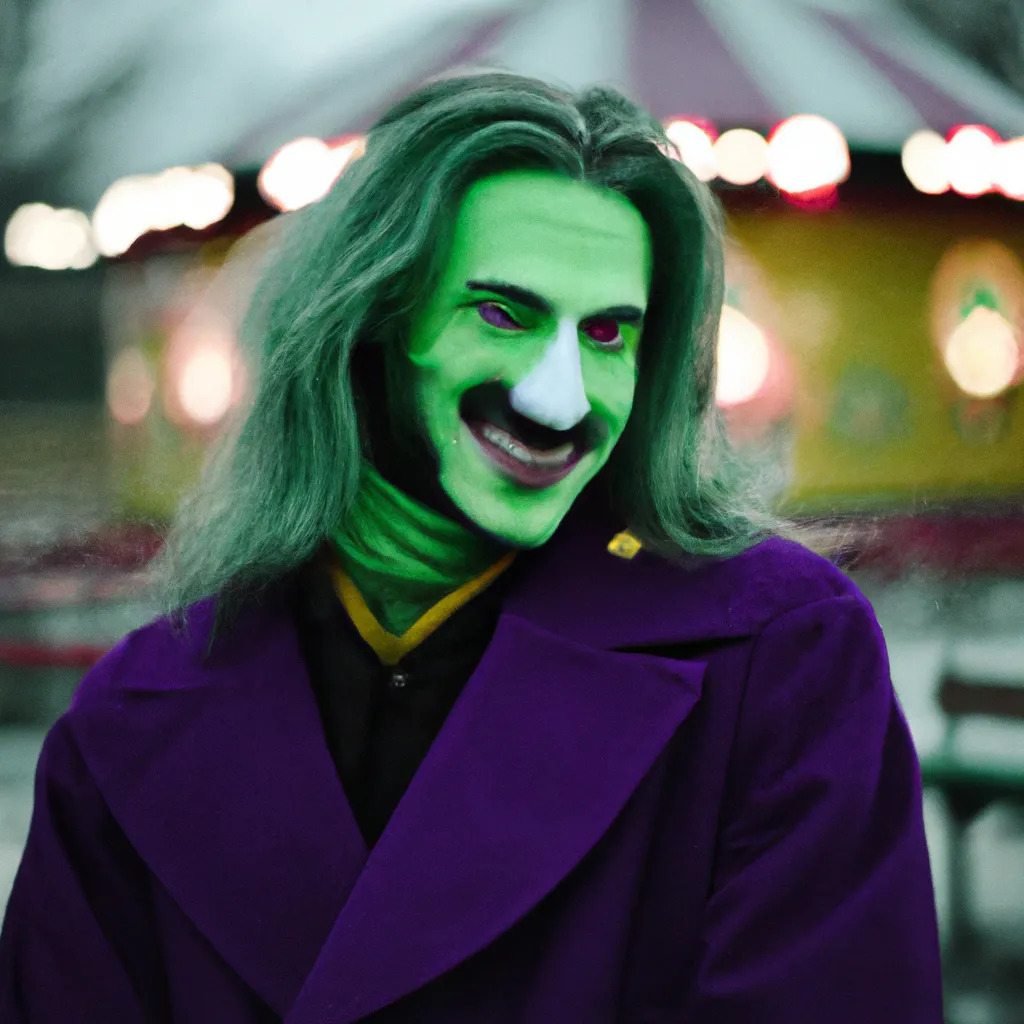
x,y
352,270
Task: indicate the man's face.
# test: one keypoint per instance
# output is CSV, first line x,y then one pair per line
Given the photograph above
x,y
526,353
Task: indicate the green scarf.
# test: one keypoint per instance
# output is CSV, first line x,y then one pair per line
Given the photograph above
x,y
402,556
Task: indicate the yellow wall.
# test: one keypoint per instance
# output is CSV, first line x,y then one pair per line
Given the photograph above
x,y
851,290
846,295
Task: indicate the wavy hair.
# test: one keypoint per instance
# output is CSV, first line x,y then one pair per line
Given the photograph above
x,y
352,270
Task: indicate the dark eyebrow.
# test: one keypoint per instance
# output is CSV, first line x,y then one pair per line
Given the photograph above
x,y
531,300
512,292
624,314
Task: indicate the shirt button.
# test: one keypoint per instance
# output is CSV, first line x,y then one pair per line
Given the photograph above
x,y
399,680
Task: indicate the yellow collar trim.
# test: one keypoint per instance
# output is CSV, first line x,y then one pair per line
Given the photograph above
x,y
390,648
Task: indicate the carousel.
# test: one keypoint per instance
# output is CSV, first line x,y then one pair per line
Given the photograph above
x,y
872,335
872,339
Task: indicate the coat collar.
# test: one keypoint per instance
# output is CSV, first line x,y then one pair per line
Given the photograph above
x,y
576,589
217,770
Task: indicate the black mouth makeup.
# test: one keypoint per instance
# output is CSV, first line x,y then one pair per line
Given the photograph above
x,y
489,403
531,454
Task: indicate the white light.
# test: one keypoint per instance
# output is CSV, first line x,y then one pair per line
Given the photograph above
x,y
129,387
743,358
346,152
924,161
741,156
981,354
206,383
23,224
211,195
64,242
970,161
807,153
299,173
1009,168
123,215
168,198
194,197
696,149
39,236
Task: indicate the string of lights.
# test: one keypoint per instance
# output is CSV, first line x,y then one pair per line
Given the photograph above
x,y
804,157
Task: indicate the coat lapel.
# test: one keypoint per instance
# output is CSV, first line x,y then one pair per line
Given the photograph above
x,y
217,771
539,755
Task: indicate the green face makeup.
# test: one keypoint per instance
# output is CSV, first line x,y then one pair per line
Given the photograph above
x,y
526,353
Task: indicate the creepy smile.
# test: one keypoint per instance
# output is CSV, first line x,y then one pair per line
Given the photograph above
x,y
531,454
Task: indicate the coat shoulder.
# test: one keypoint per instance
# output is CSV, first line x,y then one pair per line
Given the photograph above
x,y
161,655
788,575
583,589
767,581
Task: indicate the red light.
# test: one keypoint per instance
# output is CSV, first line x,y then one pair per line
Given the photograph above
x,y
956,129
970,159
815,201
806,154
706,126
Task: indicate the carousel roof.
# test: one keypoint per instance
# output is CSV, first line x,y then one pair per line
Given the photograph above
x,y
231,80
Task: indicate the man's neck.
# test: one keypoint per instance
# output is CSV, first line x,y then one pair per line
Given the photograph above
x,y
404,557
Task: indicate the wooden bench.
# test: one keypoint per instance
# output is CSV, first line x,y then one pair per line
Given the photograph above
x,y
969,787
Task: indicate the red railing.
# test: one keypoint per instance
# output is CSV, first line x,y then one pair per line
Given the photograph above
x,y
958,544
32,654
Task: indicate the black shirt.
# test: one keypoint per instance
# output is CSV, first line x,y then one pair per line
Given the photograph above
x,y
379,721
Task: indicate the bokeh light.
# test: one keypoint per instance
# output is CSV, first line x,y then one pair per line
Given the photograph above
x,y
1008,168
741,156
807,153
168,198
982,354
205,385
696,147
304,170
970,160
130,387
122,215
924,162
37,235
298,174
202,376
345,151
21,227
211,196
743,358
194,197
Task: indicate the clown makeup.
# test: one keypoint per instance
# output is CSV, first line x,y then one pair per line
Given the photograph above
x,y
527,351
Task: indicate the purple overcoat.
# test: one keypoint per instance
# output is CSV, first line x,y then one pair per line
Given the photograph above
x,y
597,835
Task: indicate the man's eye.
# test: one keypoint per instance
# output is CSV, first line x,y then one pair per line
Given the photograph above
x,y
604,330
498,316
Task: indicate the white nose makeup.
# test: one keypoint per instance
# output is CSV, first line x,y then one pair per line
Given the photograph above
x,y
552,393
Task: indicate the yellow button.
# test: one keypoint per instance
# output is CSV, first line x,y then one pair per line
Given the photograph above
x,y
624,545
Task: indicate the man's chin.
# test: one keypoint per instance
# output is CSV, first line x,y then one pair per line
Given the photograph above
x,y
519,540
512,527
515,517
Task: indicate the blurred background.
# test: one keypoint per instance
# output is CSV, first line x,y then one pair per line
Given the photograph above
x,y
870,157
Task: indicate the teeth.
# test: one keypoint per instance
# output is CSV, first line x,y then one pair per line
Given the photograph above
x,y
553,459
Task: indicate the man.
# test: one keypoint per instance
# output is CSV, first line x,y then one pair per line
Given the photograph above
x,y
438,744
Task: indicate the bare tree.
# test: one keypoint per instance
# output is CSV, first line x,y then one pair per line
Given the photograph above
x,y
49,174
12,56
989,31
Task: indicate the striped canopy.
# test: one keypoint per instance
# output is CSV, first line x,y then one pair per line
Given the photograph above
x,y
232,80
